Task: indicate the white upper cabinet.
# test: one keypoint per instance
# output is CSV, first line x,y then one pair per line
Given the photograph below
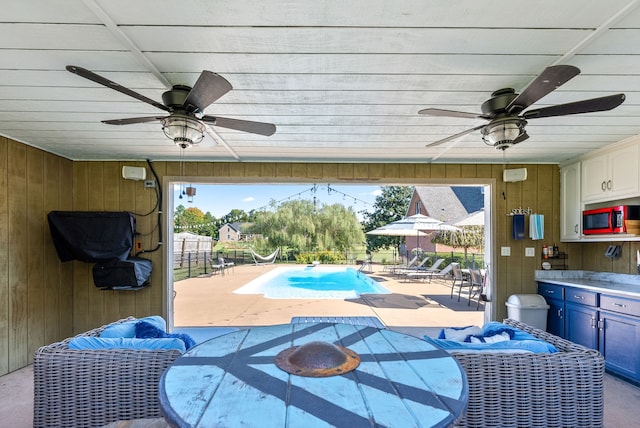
x,y
570,206
610,175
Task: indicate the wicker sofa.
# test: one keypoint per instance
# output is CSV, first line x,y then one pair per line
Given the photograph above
x,y
563,389
90,388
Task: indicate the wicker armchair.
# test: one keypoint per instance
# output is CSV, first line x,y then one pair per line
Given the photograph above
x,y
92,388
563,389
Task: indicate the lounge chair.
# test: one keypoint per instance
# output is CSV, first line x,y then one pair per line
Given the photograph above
x,y
393,268
430,273
261,260
420,267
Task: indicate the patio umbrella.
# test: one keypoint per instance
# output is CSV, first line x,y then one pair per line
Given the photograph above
x,y
473,219
416,225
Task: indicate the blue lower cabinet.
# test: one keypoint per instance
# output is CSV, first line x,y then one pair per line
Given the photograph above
x,y
555,317
620,344
581,325
608,323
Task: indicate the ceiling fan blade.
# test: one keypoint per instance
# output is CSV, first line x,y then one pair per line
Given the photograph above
x,y
450,113
522,137
550,79
453,137
83,72
131,120
241,125
208,88
585,106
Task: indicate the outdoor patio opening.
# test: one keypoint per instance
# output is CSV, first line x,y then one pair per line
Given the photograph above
x,y
193,255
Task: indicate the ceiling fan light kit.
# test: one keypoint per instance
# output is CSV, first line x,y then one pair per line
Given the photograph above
x,y
183,130
501,133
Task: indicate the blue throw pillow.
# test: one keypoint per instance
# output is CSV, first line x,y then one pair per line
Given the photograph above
x,y
128,328
99,343
145,330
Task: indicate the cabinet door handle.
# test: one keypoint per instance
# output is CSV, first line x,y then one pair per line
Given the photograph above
x,y
603,186
601,324
575,228
619,305
560,313
609,185
593,322
548,291
575,296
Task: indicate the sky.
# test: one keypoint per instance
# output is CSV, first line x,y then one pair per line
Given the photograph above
x,y
220,199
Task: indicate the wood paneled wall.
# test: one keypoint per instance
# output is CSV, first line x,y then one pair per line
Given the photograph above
x,y
43,300
35,288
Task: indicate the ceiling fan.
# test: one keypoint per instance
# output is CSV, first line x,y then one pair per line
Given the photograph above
x,y
185,124
505,110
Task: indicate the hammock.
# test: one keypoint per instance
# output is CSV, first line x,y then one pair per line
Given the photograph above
x,y
260,260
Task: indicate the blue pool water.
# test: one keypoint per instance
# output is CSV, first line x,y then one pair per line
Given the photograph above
x,y
312,282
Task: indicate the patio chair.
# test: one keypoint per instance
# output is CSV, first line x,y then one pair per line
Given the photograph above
x,y
460,280
264,260
477,285
226,264
216,267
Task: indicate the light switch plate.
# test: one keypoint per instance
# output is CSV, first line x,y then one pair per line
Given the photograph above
x,y
505,251
529,252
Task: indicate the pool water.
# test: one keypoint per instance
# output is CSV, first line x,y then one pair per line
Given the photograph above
x,y
312,282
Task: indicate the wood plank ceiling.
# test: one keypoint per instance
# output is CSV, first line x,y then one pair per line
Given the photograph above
x,y
342,80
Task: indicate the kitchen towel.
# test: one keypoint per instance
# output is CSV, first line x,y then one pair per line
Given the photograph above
x,y
518,226
536,226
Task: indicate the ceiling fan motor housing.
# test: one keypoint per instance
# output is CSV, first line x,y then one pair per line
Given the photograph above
x,y
176,96
498,102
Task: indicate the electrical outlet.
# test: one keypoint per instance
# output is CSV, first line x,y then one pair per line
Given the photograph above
x,y
505,251
529,252
149,184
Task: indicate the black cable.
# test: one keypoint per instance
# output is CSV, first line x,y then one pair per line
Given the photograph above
x,y
158,206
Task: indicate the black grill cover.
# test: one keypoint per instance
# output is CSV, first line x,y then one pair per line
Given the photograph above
x,y
92,236
122,274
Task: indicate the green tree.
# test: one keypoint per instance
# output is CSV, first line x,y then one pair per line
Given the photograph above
x,y
303,226
389,206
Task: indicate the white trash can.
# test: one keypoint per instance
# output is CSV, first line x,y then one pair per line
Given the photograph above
x,y
528,308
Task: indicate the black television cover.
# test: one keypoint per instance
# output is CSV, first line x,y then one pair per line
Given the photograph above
x,y
92,236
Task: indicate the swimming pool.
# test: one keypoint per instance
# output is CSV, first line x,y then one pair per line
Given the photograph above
x,y
312,282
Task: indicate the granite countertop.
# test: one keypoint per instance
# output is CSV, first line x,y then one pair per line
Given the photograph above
x,y
607,282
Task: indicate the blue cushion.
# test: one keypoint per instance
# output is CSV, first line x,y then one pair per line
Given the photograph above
x,y
537,346
494,327
145,330
97,343
128,328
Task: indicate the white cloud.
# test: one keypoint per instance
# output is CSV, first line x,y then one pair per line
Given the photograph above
x,y
248,199
376,192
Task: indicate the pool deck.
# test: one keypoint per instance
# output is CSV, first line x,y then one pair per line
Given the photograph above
x,y
209,301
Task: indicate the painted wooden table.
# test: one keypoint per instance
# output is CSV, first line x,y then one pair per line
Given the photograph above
x,y
232,380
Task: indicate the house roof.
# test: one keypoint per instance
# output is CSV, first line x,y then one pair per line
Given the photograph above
x,y
450,203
